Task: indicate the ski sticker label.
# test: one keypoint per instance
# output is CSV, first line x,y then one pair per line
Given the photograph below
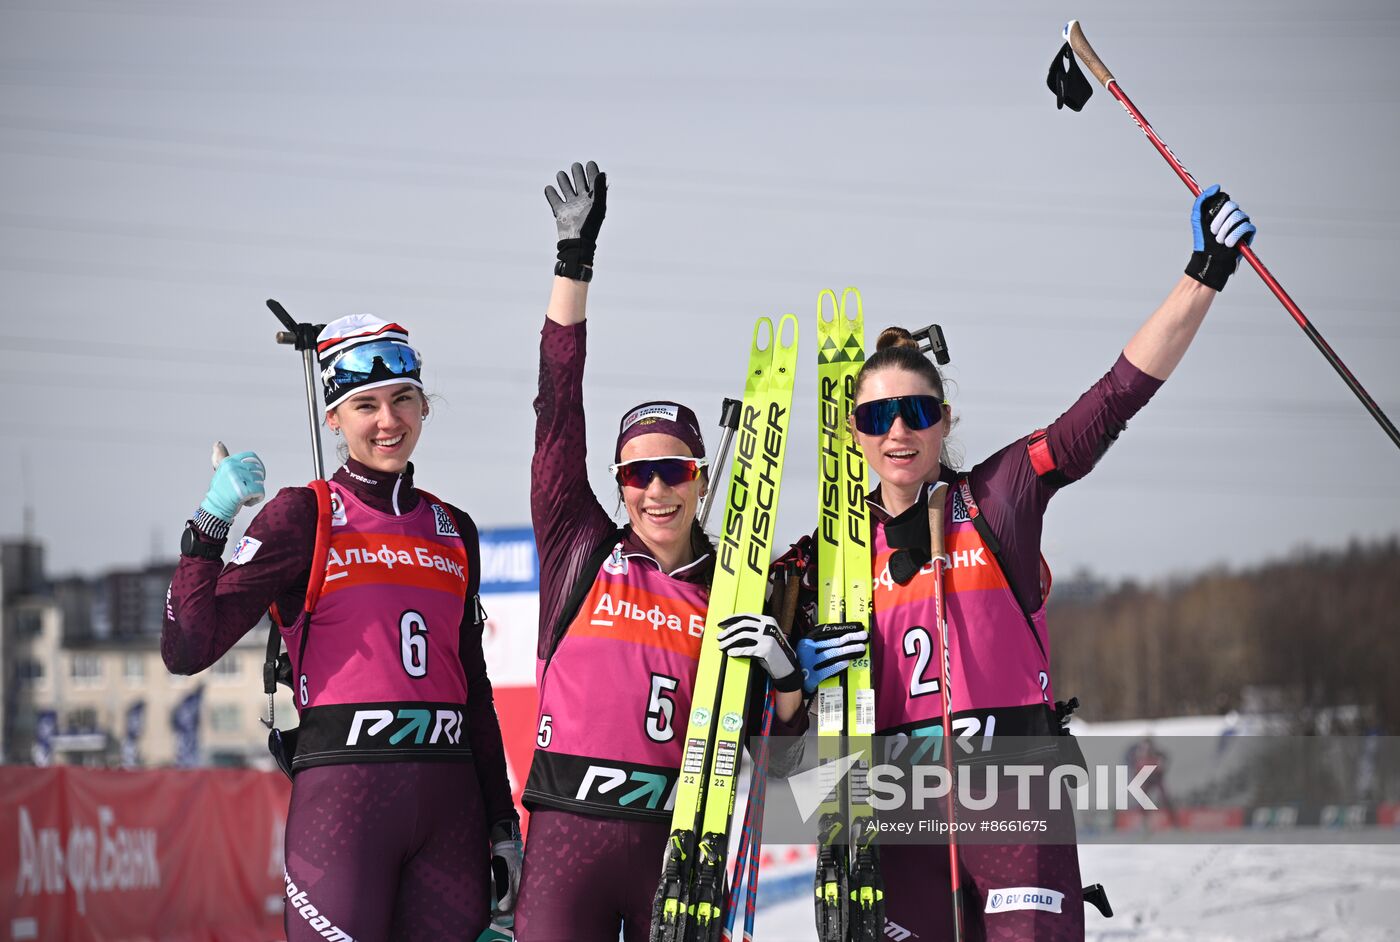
x,y
865,712
726,758
694,756
831,708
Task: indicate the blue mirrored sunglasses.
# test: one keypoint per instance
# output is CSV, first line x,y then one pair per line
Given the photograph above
x,y
918,412
381,359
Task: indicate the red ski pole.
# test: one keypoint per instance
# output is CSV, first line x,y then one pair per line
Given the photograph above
x,y
940,560
1085,53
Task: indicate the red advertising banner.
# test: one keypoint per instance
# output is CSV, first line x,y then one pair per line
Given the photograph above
x,y
192,855
92,854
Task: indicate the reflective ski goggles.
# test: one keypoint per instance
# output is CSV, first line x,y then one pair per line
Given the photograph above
x,y
674,470
380,359
918,412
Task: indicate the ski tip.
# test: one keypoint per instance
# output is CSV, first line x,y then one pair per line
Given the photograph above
x,y
1069,27
822,308
762,334
859,317
788,328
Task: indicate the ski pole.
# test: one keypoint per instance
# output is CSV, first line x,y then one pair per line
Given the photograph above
x,y
1080,45
303,338
784,601
746,862
729,421
940,562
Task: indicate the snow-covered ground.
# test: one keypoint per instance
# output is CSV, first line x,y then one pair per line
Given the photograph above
x,y
1201,893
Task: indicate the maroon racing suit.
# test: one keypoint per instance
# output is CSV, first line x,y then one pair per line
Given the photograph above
x,y
588,869
375,848
1011,490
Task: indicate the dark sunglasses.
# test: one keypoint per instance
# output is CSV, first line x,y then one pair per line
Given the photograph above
x,y
674,470
918,412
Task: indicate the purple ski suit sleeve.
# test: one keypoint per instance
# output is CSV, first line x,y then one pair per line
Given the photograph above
x,y
1014,497
568,520
210,607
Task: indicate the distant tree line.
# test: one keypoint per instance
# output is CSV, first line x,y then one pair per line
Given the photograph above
x,y
1315,639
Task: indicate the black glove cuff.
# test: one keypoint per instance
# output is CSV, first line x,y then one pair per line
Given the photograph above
x,y
788,684
576,259
507,829
1211,270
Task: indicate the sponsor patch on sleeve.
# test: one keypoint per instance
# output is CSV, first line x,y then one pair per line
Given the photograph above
x,y
337,511
246,549
616,563
1013,898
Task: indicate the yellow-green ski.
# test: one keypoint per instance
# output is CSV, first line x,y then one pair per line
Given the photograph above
x,y
690,898
848,889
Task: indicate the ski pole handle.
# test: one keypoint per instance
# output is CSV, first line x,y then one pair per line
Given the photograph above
x,y
281,313
303,338
935,520
787,613
1086,54
729,421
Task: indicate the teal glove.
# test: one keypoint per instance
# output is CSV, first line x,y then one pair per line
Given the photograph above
x,y
238,482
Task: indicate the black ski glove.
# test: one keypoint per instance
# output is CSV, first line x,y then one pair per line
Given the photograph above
x,y
1220,227
579,206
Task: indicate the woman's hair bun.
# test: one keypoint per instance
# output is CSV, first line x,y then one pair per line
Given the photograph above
x,y
896,337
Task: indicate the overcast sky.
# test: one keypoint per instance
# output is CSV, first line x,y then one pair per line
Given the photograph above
x,y
167,165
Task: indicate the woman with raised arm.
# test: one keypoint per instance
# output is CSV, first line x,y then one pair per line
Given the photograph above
x,y
622,611
995,588
400,803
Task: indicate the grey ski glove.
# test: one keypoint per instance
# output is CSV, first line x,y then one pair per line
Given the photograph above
x,y
758,637
507,861
579,206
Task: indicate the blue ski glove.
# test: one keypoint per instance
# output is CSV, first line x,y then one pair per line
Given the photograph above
x,y
1219,227
759,637
579,206
507,859
238,483
828,651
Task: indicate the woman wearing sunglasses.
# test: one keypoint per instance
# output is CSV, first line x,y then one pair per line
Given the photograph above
x,y
995,587
400,799
622,611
